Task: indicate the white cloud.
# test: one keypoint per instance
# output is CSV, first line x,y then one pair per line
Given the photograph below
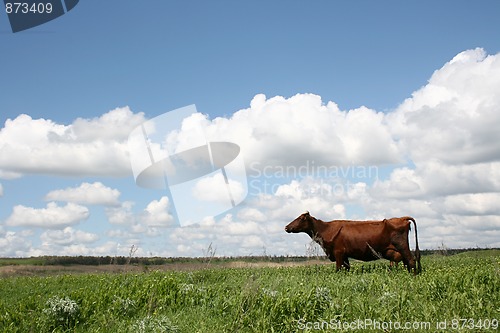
x,y
471,225
53,216
87,249
228,236
88,147
402,183
443,179
91,194
241,228
1,190
214,189
14,244
478,204
449,130
122,214
9,174
435,178
271,129
118,233
114,125
68,236
454,118
156,214
251,214
444,139
296,197
252,242
422,210
293,190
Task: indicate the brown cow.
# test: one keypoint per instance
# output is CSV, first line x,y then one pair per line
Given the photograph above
x,y
362,240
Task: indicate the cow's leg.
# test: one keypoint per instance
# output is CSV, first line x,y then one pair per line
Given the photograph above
x,y
408,260
339,260
393,256
346,264
338,265
401,244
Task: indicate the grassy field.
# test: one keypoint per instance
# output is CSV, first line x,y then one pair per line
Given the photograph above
x,y
454,293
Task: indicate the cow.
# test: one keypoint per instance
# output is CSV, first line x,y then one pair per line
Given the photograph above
x,y
361,240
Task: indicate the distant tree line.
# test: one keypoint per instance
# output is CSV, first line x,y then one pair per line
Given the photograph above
x,y
146,261
149,261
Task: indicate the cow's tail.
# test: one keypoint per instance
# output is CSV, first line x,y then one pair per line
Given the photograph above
x,y
417,250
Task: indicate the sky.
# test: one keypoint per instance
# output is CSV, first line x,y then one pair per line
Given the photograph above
x,y
349,110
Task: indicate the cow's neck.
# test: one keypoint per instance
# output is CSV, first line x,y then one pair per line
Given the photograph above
x,y
316,232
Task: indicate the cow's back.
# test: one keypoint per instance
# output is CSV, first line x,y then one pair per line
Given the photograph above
x,y
398,222
363,229
360,239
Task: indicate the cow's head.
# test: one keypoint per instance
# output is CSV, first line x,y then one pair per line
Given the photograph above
x,y
303,223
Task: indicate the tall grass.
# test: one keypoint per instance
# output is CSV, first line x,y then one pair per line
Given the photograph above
x,y
465,286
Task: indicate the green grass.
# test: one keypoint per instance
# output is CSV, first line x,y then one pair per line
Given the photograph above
x,y
22,261
291,299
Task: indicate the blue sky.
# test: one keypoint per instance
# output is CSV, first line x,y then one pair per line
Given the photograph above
x,y
145,58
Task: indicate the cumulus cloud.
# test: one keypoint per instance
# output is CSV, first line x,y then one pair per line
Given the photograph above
x,y
90,194
214,189
53,216
271,129
87,147
258,227
454,118
402,183
68,236
477,204
15,244
276,209
9,174
156,214
435,178
448,134
239,227
88,249
438,152
122,214
251,214
448,129
227,236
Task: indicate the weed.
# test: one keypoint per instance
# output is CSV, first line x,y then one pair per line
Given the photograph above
x,y
153,324
61,312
